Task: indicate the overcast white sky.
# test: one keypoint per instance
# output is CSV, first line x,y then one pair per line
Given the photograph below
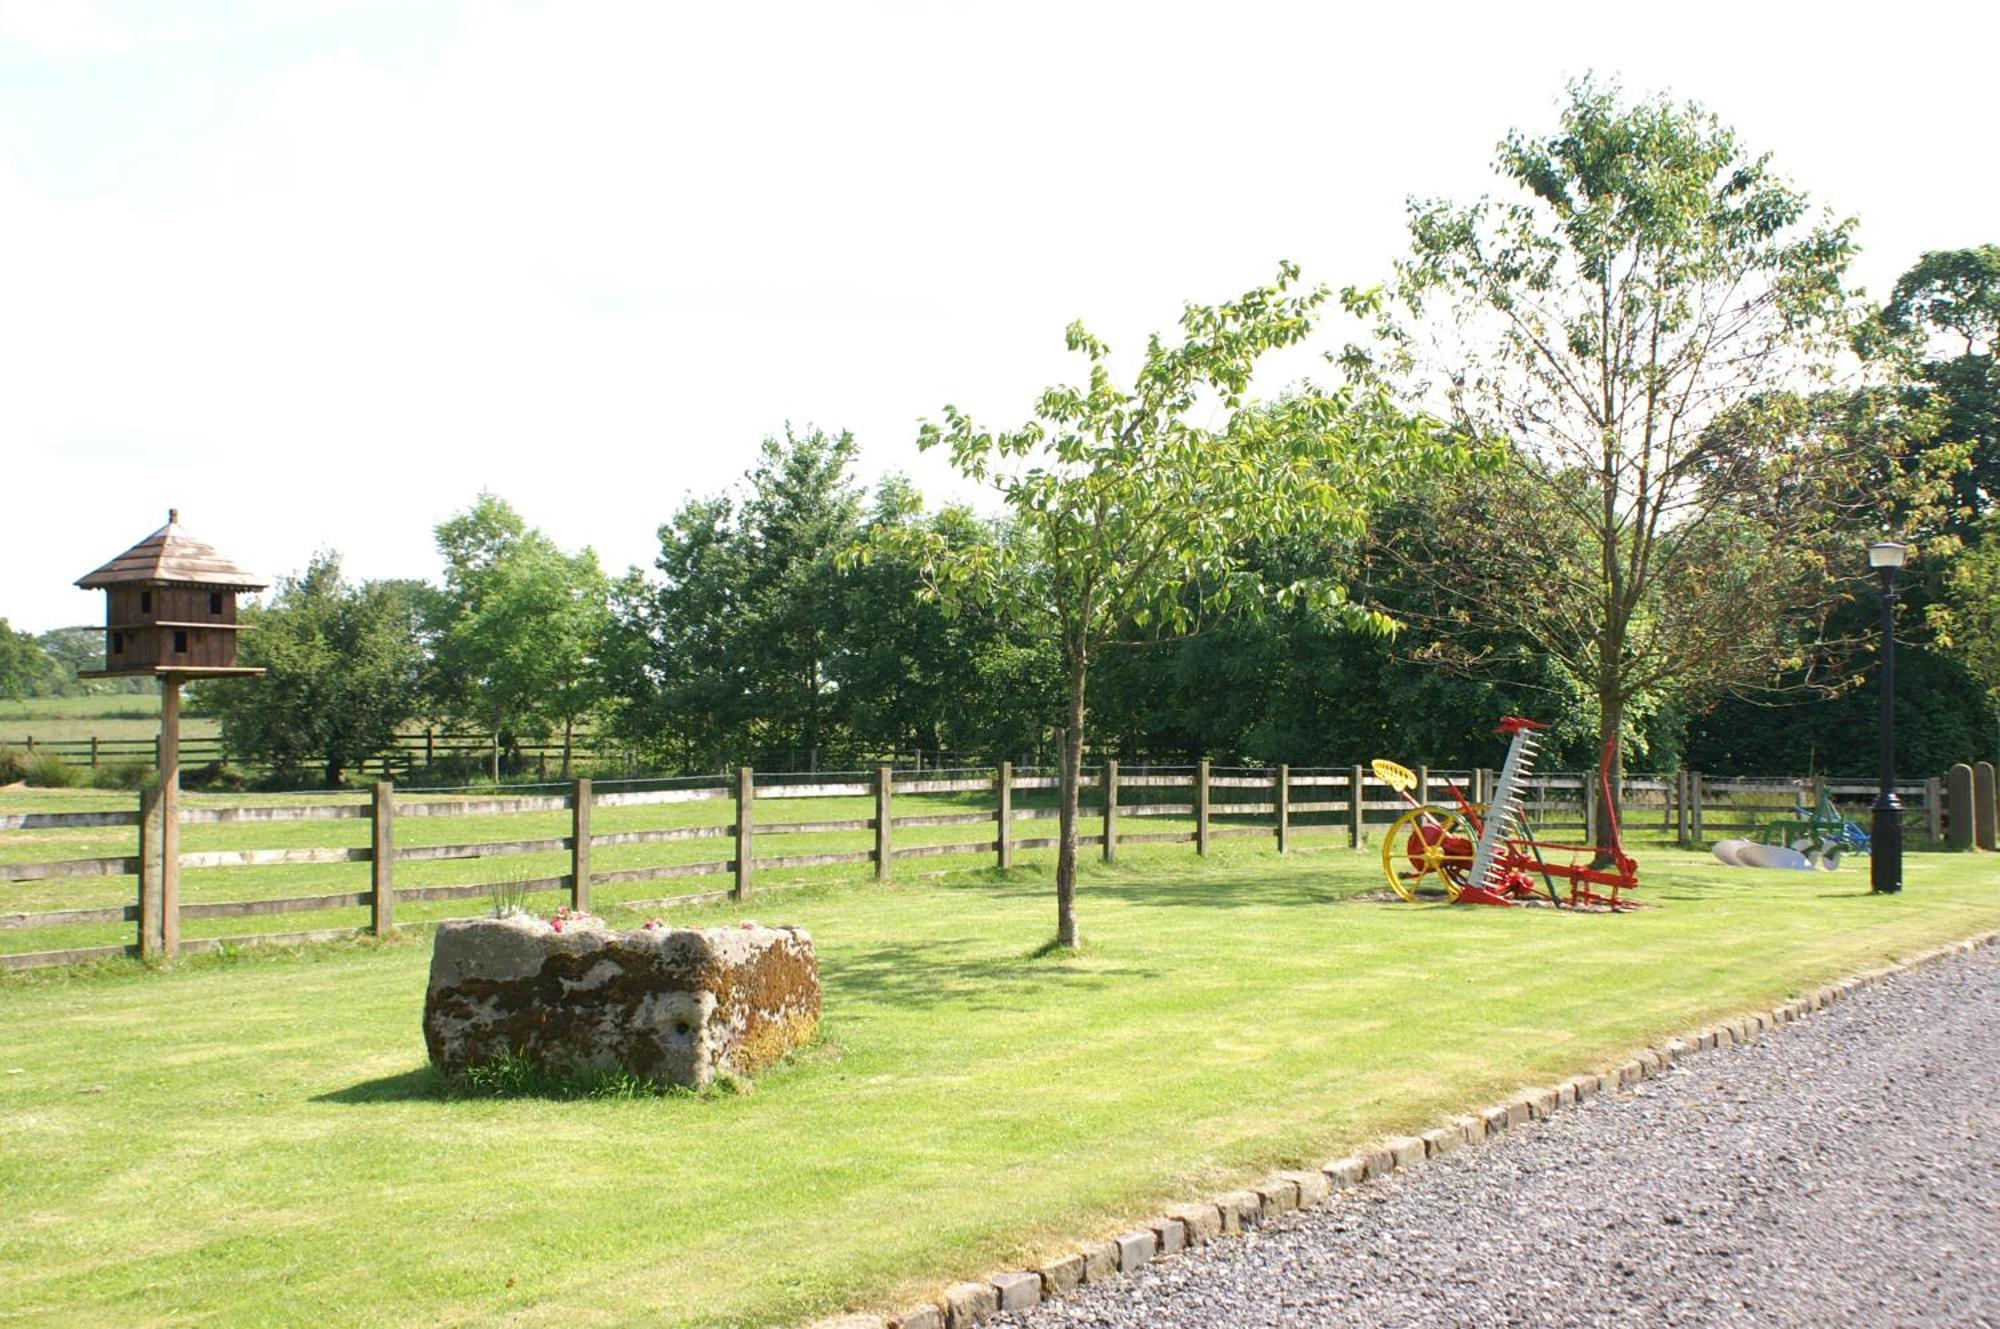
x,y
318,271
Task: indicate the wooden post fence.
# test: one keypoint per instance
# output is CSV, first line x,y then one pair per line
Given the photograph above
x,y
150,918
884,795
1201,807
1004,790
1985,806
170,815
1110,811
1356,795
1283,798
1694,808
1423,789
382,859
579,852
746,798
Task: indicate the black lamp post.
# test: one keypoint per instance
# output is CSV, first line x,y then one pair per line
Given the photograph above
x,y
1885,852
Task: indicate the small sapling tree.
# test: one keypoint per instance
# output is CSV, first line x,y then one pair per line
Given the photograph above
x,y
1132,505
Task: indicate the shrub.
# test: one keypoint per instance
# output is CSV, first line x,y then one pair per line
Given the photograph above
x,y
13,766
48,771
126,773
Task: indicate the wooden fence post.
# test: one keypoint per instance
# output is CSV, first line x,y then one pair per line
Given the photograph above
x,y
1694,808
579,852
1282,791
884,792
93,752
1592,796
1201,807
382,859
1423,790
746,800
1985,806
430,746
1003,785
1110,811
149,872
1933,813
170,815
1357,795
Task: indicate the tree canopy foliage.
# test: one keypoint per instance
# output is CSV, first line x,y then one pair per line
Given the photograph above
x,y
343,668
1649,321
517,629
1134,506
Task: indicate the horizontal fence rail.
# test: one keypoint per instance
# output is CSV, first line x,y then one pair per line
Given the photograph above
x,y
1281,803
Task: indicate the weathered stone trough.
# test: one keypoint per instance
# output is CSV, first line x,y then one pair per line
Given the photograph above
x,y
673,1005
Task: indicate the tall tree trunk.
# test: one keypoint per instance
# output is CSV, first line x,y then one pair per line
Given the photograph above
x,y
1072,776
334,770
1611,724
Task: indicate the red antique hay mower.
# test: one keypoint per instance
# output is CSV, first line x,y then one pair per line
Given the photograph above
x,y
1488,855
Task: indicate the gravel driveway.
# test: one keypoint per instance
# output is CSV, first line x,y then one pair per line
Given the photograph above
x,y
1844,1170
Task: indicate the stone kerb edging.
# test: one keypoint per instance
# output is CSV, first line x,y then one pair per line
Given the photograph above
x,y
1185,1225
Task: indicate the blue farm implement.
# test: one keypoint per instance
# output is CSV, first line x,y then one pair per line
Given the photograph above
x,y
1821,833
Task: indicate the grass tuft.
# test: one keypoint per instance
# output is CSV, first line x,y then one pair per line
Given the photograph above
x,y
515,1076
45,770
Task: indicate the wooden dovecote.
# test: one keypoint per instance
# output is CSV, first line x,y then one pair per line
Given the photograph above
x,y
170,607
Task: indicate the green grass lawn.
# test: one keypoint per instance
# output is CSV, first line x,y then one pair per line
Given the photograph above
x,y
260,1140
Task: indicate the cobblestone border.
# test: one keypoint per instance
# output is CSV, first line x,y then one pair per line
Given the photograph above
x,y
1194,1224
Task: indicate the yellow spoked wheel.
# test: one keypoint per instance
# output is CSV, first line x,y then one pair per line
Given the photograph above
x,y
1429,848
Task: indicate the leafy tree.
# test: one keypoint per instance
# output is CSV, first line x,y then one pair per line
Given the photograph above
x,y
518,628
1646,324
1968,622
1302,686
343,670
25,668
1125,497
1943,323
80,648
732,654
908,664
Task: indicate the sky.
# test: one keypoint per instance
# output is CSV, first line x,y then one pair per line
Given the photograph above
x,y
318,272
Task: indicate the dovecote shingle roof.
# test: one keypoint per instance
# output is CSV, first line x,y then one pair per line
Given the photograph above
x,y
170,555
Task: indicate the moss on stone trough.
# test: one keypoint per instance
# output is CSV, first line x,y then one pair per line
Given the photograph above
x,y
677,1006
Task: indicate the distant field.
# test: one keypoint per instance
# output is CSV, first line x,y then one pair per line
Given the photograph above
x,y
124,715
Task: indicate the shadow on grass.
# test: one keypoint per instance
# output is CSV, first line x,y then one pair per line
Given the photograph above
x,y
1283,891
512,1078
923,976
423,1082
